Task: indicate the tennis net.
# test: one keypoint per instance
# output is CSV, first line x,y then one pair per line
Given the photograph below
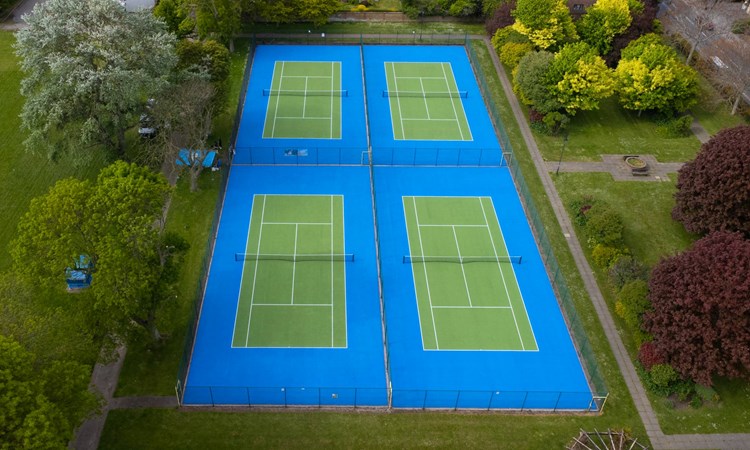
x,y
423,94
304,93
345,257
409,259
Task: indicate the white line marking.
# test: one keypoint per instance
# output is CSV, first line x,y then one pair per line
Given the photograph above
x,y
471,307
294,264
502,275
453,102
255,274
296,223
439,225
327,305
424,266
463,271
398,102
332,267
426,106
330,134
304,99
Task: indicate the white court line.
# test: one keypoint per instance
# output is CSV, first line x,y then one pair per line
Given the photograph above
x,y
330,134
424,97
463,271
295,305
430,120
447,226
278,100
307,76
296,223
332,266
294,263
303,118
304,99
427,281
255,274
398,102
502,276
453,101
471,307
421,78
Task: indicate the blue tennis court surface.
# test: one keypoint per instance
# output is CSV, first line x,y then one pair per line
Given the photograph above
x,y
353,375
318,335
345,145
477,147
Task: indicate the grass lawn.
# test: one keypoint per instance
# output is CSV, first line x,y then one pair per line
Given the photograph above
x,y
712,112
128,429
24,175
651,233
427,29
195,429
614,130
154,371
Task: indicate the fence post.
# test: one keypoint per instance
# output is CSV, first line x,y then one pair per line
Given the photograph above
x,y
424,400
559,394
525,396
211,394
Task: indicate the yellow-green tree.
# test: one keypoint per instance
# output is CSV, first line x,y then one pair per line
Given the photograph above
x,y
651,77
602,22
547,23
578,78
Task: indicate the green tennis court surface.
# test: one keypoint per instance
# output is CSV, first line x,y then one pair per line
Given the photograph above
x,y
467,293
293,292
304,100
425,102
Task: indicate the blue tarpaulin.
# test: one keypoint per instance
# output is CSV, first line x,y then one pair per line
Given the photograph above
x,y
187,157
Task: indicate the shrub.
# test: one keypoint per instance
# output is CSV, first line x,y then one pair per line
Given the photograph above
x,y
511,53
603,226
580,207
556,121
604,256
500,18
663,375
632,302
648,356
679,126
626,269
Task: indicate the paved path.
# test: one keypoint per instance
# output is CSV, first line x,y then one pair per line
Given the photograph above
x,y
615,165
658,439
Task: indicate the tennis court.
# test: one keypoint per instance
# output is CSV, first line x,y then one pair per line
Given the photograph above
x,y
425,102
304,100
467,293
293,292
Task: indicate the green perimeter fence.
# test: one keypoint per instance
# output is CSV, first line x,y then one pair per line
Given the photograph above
x,y
565,299
416,37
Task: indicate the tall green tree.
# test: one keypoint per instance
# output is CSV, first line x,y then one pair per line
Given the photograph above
x,y
41,406
117,223
89,66
651,77
530,82
547,23
578,78
602,22
219,19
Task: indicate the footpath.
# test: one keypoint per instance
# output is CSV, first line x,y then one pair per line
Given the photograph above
x,y
104,377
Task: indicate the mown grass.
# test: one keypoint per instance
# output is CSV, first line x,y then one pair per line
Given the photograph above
x,y
25,175
201,429
425,29
153,371
713,112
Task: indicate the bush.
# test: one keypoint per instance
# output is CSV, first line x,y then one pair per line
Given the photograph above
x,y
556,121
647,355
605,256
580,207
632,302
512,52
501,17
627,269
664,380
603,226
678,126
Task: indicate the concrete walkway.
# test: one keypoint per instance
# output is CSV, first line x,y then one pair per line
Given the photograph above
x,y
615,165
658,439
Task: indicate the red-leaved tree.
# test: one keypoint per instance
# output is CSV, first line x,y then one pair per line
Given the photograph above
x,y
713,190
700,319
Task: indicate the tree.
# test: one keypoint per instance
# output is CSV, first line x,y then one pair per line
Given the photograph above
x,y
206,57
90,66
500,17
734,75
703,26
642,22
602,22
713,190
700,317
41,408
218,18
650,77
186,115
316,11
578,78
547,23
117,223
529,81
